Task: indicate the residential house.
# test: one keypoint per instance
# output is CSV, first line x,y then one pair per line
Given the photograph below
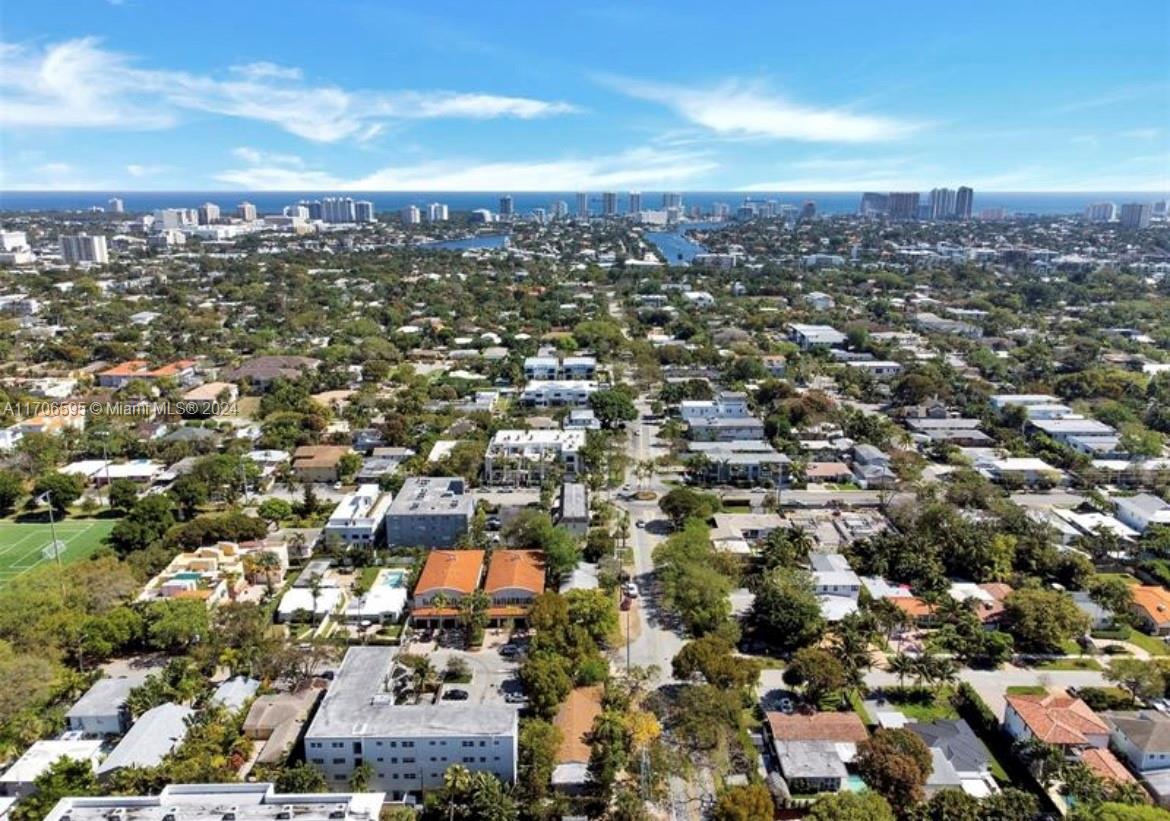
x,y
1151,605
429,511
318,463
725,405
102,710
961,761
17,780
835,584
262,371
181,371
156,732
1142,738
574,510
1142,510
751,463
726,429
1055,718
877,368
809,337
575,720
813,749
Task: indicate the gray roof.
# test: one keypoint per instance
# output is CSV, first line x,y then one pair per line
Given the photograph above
x,y
1147,730
956,741
1142,503
573,501
235,692
358,705
431,496
810,759
158,731
104,698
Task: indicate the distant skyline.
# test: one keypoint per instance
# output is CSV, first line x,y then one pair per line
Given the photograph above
x,y
130,95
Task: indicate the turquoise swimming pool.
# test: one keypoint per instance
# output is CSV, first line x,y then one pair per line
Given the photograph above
x,y
393,578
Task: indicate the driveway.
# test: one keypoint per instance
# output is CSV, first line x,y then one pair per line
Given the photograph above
x,y
491,673
992,684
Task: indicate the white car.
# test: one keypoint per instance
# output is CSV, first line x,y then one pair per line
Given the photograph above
x,y
630,589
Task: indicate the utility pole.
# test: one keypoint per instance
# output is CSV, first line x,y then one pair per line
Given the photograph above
x,y
54,546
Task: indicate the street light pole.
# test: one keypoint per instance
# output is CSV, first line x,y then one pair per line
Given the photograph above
x,y
53,543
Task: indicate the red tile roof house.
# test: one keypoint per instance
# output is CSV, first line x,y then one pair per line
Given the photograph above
x,y
1058,719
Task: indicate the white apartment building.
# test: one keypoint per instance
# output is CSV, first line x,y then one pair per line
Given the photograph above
x,y
552,368
409,747
81,248
358,517
521,457
726,405
556,392
213,802
815,336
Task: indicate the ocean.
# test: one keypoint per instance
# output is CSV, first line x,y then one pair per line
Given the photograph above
x,y
267,202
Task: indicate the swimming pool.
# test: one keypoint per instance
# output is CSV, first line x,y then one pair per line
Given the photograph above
x,y
393,578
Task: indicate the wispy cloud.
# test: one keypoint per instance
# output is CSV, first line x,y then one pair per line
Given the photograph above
x,y
138,170
1142,133
735,108
80,84
643,167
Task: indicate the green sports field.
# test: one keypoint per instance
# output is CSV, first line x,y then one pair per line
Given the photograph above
x,y
22,545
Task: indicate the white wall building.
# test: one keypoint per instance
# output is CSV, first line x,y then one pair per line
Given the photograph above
x,y
358,517
525,456
409,747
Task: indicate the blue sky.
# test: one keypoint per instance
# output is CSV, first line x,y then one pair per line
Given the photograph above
x,y
775,96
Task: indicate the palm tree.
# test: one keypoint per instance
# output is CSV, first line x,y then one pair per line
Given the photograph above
x,y
425,676
943,670
359,779
315,587
902,665
1044,759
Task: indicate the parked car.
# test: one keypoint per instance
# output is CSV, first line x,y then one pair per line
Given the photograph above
x,y
641,524
630,589
509,650
515,698
455,695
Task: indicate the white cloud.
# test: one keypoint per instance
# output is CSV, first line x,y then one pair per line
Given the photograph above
x,y
264,70
734,108
136,170
1142,133
641,167
79,84
255,156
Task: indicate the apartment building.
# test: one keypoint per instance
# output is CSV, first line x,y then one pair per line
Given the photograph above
x,y
409,747
522,457
553,393
429,511
359,516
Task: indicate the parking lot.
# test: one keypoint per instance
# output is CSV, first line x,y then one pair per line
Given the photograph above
x,y
492,675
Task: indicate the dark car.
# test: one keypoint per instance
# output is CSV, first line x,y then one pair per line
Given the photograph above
x,y
509,650
455,695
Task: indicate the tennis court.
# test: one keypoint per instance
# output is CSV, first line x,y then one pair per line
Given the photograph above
x,y
23,546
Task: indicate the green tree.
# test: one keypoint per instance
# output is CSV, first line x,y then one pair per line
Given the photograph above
x,y
65,777
63,489
895,763
274,510
682,503
123,493
538,744
713,657
850,806
1043,619
751,802
301,777
612,407
176,624
819,671
11,489
786,612
1144,679
145,524
546,681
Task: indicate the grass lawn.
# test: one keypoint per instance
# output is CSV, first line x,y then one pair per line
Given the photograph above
x,y
1125,577
1027,690
1151,644
1083,663
926,711
21,544
1071,648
